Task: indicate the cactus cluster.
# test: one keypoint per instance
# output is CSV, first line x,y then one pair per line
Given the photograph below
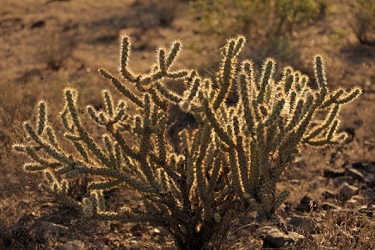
x,y
227,166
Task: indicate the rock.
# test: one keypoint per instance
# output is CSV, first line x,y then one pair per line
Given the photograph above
x,y
306,204
136,230
372,183
274,238
53,228
355,174
359,198
369,193
304,224
73,245
368,211
38,24
328,194
370,178
155,231
342,179
333,173
352,203
329,206
347,191
359,166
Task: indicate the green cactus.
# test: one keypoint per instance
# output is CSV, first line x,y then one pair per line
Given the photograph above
x,y
236,155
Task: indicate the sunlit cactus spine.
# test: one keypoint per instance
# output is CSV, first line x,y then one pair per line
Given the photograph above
x,y
227,166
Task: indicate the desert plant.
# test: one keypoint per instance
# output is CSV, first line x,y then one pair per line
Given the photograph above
x,y
228,165
55,50
268,18
364,20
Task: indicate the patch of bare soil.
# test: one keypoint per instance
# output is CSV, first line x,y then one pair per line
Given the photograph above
x,y
332,198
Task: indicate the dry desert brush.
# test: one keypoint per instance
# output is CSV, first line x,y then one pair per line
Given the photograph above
x,y
227,166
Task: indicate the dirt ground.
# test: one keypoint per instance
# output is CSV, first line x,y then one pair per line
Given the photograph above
x,y
47,45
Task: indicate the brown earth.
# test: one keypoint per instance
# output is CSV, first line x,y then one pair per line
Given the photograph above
x,y
48,45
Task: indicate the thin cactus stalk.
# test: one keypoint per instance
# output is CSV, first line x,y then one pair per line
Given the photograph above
x,y
236,155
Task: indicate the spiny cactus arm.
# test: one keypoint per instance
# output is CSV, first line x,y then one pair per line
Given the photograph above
x,y
70,102
108,103
235,174
280,199
300,110
243,164
170,95
193,89
189,152
320,76
332,98
32,153
268,70
246,100
200,166
121,87
340,96
144,148
162,158
50,149
254,166
114,175
326,124
105,185
214,176
243,160
275,112
162,70
214,122
59,190
227,69
52,137
42,116
125,48
271,136
350,96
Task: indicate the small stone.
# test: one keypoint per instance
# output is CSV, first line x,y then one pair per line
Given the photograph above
x,y
307,204
73,245
136,230
134,242
352,203
328,194
370,178
368,211
355,174
304,224
342,179
329,206
359,166
358,198
333,173
274,238
53,228
347,191
369,193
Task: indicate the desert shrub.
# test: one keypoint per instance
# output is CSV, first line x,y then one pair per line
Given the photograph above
x,y
254,17
364,20
269,25
54,47
228,165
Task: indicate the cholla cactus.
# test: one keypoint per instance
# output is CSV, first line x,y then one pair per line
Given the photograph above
x,y
229,165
